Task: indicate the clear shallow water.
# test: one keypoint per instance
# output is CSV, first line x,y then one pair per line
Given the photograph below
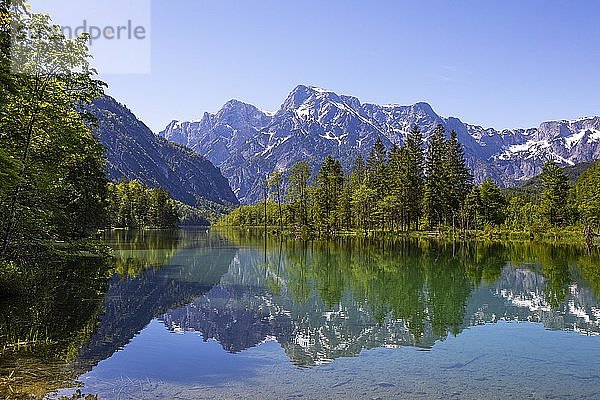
x,y
500,361
224,314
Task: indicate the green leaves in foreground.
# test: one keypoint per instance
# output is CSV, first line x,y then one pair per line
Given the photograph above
x,y
53,184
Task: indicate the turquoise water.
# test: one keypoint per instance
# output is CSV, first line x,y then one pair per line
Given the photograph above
x,y
225,314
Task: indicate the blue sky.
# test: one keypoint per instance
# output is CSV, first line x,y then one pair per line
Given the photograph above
x,y
506,64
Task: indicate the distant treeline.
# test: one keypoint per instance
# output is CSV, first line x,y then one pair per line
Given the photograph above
x,y
131,204
416,187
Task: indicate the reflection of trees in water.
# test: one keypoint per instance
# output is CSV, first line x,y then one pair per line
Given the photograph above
x,y
589,266
412,283
321,300
132,302
41,333
135,251
77,315
424,283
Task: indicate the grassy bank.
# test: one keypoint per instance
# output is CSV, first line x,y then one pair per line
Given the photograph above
x,y
567,235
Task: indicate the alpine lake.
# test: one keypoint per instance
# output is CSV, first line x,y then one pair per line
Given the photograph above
x,y
228,314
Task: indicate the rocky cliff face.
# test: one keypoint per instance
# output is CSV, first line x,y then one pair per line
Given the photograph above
x,y
134,152
247,143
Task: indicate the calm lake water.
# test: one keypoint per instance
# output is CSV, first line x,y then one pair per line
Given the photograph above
x,y
218,314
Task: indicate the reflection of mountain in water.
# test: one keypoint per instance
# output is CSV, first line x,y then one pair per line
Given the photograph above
x,y
132,302
520,295
242,317
316,306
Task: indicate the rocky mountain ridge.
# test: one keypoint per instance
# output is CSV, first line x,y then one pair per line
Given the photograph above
x,y
135,152
248,143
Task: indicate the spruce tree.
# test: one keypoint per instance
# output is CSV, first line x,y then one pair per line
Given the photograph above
x,y
298,192
275,182
493,203
362,204
471,213
458,179
329,185
358,173
416,183
435,180
344,211
396,203
555,193
588,197
377,173
376,167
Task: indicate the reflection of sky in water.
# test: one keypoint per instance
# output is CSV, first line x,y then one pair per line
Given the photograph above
x,y
516,360
219,320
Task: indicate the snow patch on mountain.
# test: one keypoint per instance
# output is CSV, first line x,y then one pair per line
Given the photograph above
x,y
248,143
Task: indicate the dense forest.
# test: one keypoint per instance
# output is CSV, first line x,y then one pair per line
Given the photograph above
x,y
418,187
131,204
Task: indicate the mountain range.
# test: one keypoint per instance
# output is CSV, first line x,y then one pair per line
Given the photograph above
x,y
135,152
247,143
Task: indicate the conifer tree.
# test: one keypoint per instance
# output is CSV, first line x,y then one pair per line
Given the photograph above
x,y
358,177
377,168
344,212
555,194
493,203
416,183
362,204
588,197
472,210
298,192
275,182
396,203
377,176
458,179
434,194
358,173
329,185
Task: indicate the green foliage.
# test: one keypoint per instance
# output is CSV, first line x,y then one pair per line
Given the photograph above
x,y
385,193
557,198
328,186
531,188
554,195
133,205
393,190
435,196
275,182
493,204
53,184
377,169
414,179
588,196
298,193
457,176
50,315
